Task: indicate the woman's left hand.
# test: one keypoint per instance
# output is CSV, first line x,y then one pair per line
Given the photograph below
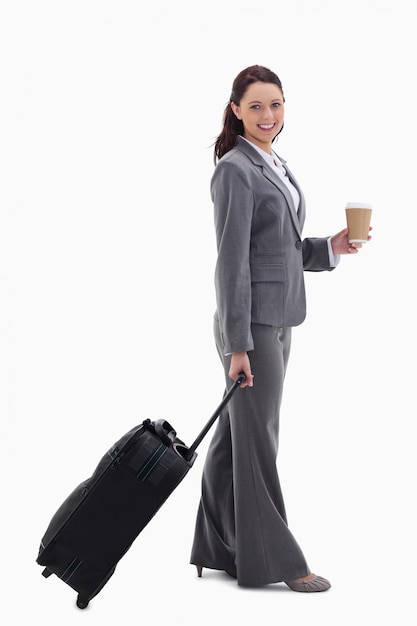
x,y
341,245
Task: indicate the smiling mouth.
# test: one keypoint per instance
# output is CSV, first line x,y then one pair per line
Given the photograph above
x,y
266,126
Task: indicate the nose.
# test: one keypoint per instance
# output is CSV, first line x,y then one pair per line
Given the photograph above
x,y
268,114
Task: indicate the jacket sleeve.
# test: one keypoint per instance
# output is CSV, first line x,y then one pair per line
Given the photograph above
x,y
233,210
316,255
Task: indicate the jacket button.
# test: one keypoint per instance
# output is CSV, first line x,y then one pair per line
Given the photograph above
x,y
298,244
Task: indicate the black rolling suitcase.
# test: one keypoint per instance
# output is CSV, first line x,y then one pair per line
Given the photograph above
x,y
97,523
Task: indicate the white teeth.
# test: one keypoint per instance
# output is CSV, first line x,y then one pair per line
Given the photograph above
x,y
266,126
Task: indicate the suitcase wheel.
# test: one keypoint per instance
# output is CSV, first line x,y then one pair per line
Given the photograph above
x,y
82,604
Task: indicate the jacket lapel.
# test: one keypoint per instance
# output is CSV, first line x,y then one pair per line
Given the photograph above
x,y
302,207
268,172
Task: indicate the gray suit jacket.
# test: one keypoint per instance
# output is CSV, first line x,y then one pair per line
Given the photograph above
x,y
259,275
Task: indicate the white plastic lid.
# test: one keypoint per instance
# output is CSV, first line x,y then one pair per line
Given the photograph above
x,y
358,205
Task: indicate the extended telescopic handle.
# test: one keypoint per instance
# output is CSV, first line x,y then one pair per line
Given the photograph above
x,y
239,380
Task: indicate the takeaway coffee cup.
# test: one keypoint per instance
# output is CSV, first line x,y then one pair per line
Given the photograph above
x,y
358,218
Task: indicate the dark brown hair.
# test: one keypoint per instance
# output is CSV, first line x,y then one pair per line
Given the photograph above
x,y
232,126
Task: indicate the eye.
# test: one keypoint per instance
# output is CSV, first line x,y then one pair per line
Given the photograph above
x,y
276,105
255,106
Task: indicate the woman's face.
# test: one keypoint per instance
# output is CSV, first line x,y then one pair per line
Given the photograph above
x,y
261,110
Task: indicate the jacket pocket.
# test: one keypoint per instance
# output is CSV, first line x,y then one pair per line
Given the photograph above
x,y
267,272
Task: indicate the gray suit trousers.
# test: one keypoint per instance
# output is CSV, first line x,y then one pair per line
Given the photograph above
x,y
241,524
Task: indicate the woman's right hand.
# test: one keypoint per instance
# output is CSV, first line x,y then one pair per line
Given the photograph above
x,y
240,363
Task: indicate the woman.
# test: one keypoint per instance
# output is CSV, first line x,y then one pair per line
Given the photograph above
x,y
259,211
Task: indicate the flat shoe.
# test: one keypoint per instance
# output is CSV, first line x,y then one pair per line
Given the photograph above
x,y
317,583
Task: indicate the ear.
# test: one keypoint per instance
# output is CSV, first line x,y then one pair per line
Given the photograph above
x,y
236,110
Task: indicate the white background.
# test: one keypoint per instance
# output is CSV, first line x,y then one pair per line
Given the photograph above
x,y
108,115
